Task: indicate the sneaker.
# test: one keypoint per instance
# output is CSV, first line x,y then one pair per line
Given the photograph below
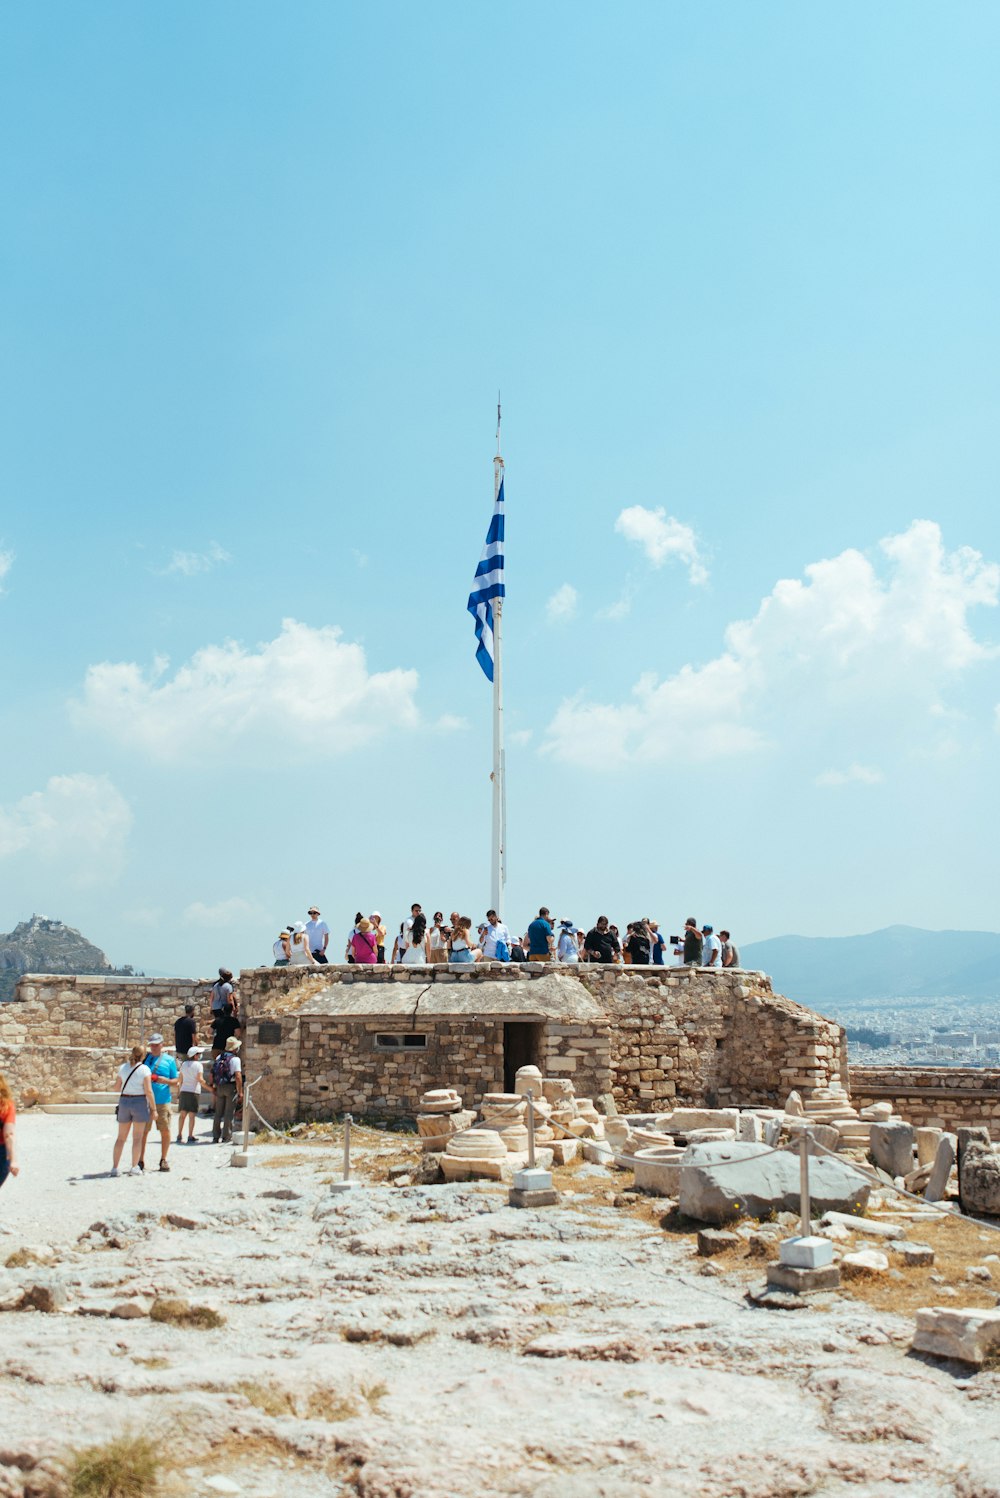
x,y
115,1171
164,1165
136,1170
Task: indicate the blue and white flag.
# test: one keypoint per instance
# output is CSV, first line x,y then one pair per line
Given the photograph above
x,y
488,585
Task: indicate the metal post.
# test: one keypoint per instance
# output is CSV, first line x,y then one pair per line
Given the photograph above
x,y
805,1206
531,1130
247,1084
347,1146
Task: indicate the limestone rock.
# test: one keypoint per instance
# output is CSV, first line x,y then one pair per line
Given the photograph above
x,y
44,1293
528,1079
979,1181
913,1255
683,1120
864,1261
892,1148
557,1088
721,1181
945,1155
717,1241
658,1171
793,1105
970,1336
477,1144
618,1132
877,1112
927,1142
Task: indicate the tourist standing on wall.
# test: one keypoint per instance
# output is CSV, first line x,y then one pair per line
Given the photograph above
x,y
364,943
418,952
379,931
730,951
693,943
8,1133
192,1080
163,1076
496,939
638,944
225,1017
567,949
601,942
227,1079
540,937
349,950
659,946
317,935
711,948
136,1106
438,938
282,948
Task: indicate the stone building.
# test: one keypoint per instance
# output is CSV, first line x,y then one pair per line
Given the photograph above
x,y
371,1040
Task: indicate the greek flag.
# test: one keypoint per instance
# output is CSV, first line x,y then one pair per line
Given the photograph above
x,y
487,585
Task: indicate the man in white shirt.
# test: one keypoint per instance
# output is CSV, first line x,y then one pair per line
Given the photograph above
x,y
494,931
711,952
317,935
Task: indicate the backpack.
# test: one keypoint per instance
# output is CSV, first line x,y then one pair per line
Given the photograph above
x,y
502,953
223,1068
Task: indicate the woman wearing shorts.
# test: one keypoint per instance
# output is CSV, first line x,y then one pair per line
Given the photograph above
x,y
135,1107
8,1115
193,1079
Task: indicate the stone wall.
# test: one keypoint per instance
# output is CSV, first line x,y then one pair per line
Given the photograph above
x,y
670,1035
696,1036
944,1097
59,1073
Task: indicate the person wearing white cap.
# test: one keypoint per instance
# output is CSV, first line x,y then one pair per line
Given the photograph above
x,y
163,1075
193,1079
317,935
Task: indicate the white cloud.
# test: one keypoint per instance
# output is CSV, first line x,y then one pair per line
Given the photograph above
x,y
79,822
520,737
853,775
846,652
451,723
6,562
661,538
307,692
191,563
222,913
561,607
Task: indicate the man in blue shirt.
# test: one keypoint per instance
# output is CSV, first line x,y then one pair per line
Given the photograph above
x,y
540,937
164,1077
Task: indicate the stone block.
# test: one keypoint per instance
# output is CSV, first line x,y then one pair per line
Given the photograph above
x,y
892,1147
713,1241
945,1156
683,1120
927,1142
969,1336
802,1281
864,1261
806,1253
720,1182
913,1255
543,1198
979,1180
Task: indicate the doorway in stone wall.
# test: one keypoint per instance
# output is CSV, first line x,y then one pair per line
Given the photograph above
x,y
522,1046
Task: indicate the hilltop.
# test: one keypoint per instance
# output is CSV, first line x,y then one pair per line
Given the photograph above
x,y
898,962
42,945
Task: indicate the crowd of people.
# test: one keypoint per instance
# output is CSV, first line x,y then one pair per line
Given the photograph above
x,y
419,942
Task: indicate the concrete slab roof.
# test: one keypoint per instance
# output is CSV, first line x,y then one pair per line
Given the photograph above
x,y
556,996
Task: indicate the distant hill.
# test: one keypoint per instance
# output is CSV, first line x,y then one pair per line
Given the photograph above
x,y
42,945
901,962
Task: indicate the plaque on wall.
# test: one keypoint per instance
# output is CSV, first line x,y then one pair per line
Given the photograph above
x,y
268,1033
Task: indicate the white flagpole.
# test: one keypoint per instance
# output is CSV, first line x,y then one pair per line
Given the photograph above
x,y
497,845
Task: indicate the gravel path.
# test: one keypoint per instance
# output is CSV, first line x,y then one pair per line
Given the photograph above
x,y
432,1342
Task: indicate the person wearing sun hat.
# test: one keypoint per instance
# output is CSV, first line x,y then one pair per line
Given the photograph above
x,y
163,1076
301,955
567,949
364,942
317,935
282,948
227,1080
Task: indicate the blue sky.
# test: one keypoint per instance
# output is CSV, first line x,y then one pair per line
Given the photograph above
x,y
262,272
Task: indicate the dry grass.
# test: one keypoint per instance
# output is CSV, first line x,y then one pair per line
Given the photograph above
x,y
957,1243
126,1467
150,1362
181,1313
273,1401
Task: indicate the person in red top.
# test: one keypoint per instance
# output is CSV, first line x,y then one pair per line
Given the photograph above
x,y
8,1143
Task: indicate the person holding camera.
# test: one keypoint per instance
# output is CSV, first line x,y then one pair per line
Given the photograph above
x,y
601,943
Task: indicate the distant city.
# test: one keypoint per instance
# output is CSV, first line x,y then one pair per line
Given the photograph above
x,y
920,1032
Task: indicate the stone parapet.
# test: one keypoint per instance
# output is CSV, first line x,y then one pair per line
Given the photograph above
x,y
943,1097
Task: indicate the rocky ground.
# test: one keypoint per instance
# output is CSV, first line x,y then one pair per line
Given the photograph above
x,y
432,1342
